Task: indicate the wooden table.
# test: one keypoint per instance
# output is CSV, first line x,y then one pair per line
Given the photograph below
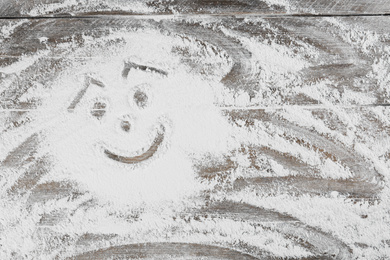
x,y
261,129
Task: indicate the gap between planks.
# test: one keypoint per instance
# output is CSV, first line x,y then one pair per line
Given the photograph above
x,y
229,108
170,16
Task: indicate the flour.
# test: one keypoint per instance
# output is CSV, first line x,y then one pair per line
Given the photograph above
x,y
119,203
178,101
74,6
22,64
135,7
7,29
355,35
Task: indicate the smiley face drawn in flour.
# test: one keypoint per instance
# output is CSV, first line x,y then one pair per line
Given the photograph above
x,y
141,100
129,120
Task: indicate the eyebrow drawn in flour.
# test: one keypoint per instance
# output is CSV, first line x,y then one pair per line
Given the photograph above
x,y
132,65
88,82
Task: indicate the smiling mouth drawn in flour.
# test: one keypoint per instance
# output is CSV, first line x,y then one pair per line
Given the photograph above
x,y
143,154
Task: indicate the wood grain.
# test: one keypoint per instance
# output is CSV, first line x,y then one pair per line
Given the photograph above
x,y
333,108
337,60
230,7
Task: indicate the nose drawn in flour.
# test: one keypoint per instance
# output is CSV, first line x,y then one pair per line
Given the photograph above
x,y
125,125
141,100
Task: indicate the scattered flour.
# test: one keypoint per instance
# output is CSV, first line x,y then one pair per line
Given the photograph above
x,y
137,202
74,6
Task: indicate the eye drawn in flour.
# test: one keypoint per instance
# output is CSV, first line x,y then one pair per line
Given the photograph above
x,y
99,109
140,98
125,125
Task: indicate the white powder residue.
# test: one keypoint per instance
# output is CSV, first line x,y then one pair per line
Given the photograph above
x,y
380,72
284,3
179,102
23,63
269,56
355,35
75,6
353,97
335,170
140,125
272,137
305,118
349,222
7,30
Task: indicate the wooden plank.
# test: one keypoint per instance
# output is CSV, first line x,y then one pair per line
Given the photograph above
x,y
322,55
225,7
166,250
285,121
